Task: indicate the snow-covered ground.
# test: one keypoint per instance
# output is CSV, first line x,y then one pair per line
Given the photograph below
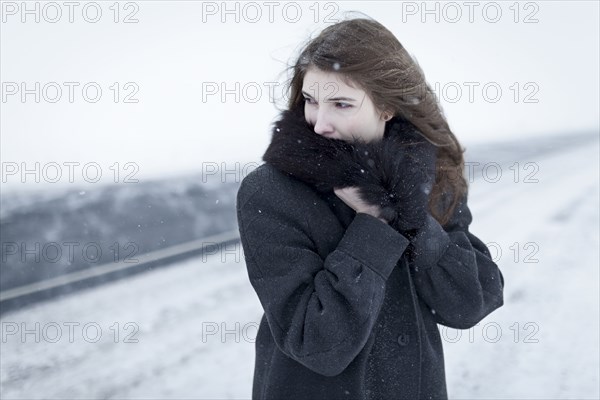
x,y
543,343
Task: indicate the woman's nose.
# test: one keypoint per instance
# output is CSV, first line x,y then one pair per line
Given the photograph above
x,y
323,125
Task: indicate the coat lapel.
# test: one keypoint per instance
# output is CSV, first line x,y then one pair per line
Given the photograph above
x,y
341,210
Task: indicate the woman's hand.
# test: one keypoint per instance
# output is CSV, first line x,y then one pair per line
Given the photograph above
x,y
350,196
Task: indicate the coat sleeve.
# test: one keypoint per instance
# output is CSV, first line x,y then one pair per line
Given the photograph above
x,y
453,271
320,311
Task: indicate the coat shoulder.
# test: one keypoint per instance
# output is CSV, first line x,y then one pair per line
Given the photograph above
x,y
271,183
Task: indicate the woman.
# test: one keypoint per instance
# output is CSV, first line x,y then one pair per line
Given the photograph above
x,y
355,231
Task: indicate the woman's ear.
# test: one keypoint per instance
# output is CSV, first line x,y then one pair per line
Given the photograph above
x,y
386,115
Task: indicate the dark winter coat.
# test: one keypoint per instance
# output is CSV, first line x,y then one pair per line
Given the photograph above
x,y
352,303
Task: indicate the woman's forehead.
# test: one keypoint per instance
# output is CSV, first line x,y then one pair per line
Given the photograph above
x,y
329,85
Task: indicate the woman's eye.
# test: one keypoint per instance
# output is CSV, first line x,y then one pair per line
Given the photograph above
x,y
338,105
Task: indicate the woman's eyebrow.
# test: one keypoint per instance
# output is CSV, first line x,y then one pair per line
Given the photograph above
x,y
331,99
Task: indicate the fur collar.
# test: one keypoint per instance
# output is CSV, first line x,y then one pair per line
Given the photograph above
x,y
395,173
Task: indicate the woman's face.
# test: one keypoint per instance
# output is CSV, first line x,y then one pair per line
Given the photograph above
x,y
339,111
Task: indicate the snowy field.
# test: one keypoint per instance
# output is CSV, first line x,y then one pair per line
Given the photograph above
x,y
542,344
187,331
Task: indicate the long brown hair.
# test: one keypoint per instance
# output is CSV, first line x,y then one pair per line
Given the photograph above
x,y
367,54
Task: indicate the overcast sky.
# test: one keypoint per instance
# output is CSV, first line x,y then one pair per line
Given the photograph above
x,y
543,52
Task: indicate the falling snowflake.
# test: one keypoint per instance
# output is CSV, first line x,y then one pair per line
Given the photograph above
x,y
336,66
413,100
